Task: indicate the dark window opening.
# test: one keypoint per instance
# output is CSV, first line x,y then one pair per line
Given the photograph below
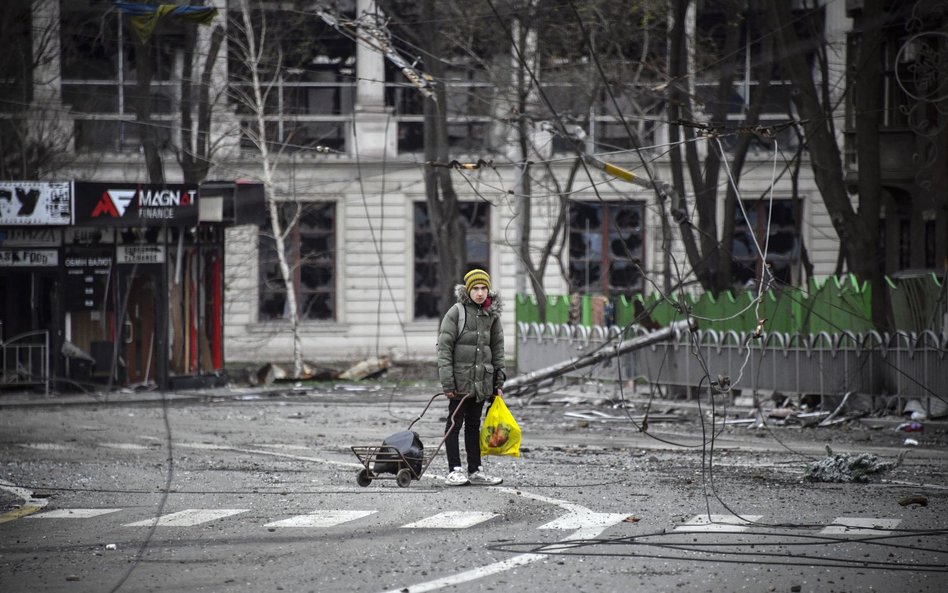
x,y
475,217
783,248
606,247
310,254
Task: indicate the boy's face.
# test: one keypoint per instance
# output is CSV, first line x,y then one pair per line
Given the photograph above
x,y
479,293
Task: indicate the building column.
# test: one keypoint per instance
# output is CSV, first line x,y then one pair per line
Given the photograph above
x,y
374,132
49,124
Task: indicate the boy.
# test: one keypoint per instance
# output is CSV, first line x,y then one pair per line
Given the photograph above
x,y
470,362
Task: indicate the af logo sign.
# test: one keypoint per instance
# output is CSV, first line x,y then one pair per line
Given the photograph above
x,y
114,203
134,204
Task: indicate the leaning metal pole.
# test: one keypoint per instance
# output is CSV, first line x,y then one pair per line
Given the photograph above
x,y
621,347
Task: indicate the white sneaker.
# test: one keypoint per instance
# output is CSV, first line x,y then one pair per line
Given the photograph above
x,y
457,478
481,479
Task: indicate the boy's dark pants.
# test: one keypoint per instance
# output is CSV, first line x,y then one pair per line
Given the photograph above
x,y
468,416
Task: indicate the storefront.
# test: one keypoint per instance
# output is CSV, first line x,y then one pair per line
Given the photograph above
x,y
127,278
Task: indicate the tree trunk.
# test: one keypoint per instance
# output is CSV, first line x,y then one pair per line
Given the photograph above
x,y
148,132
443,211
857,233
252,58
679,99
867,95
194,153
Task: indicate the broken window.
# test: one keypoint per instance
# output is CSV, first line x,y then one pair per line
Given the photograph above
x,y
309,71
783,248
310,254
475,217
606,246
100,72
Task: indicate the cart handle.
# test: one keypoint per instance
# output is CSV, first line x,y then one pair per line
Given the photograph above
x,y
467,395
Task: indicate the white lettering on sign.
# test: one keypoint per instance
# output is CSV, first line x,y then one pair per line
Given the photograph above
x,y
141,254
159,213
87,262
165,197
29,257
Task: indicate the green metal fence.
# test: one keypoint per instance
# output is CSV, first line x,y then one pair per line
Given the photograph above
x,y
831,305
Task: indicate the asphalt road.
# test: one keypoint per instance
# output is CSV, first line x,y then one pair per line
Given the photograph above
x,y
251,492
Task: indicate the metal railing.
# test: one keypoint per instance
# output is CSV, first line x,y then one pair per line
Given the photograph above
x,y
25,360
895,367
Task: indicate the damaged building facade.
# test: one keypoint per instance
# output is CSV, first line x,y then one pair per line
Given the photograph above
x,y
346,132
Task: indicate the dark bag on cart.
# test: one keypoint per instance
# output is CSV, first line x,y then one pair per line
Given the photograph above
x,y
405,444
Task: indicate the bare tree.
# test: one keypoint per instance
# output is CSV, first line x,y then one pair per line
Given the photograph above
x,y
256,62
33,139
858,230
196,150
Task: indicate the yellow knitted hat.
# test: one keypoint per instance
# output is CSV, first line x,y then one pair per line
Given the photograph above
x,y
476,277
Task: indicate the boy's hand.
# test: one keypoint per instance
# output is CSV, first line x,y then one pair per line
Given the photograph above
x,y
450,394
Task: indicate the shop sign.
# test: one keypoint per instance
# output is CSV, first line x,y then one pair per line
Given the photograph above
x,y
135,205
30,203
87,276
23,258
141,254
89,236
30,237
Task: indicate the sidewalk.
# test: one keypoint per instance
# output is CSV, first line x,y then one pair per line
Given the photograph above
x,y
10,399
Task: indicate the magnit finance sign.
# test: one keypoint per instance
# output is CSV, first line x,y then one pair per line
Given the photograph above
x,y
134,205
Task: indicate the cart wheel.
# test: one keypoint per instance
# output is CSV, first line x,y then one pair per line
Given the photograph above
x,y
364,478
403,477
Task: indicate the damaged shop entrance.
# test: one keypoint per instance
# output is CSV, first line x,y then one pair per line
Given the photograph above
x,y
149,270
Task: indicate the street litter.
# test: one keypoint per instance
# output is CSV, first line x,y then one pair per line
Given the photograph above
x,y
110,546
350,387
848,468
910,443
910,427
603,417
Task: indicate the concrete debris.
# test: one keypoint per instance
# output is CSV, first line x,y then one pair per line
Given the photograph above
x,y
844,467
367,369
269,373
918,499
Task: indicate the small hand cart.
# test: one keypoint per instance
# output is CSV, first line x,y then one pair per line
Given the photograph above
x,y
402,455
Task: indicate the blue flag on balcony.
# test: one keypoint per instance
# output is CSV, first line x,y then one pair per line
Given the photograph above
x,y
144,17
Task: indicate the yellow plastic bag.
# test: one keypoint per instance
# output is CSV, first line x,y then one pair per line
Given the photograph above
x,y
500,434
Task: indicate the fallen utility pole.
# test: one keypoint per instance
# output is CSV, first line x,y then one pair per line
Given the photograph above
x,y
573,364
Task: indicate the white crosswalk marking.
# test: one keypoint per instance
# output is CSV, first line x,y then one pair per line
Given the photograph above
x,y
451,520
860,526
322,518
580,519
72,513
188,518
718,523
